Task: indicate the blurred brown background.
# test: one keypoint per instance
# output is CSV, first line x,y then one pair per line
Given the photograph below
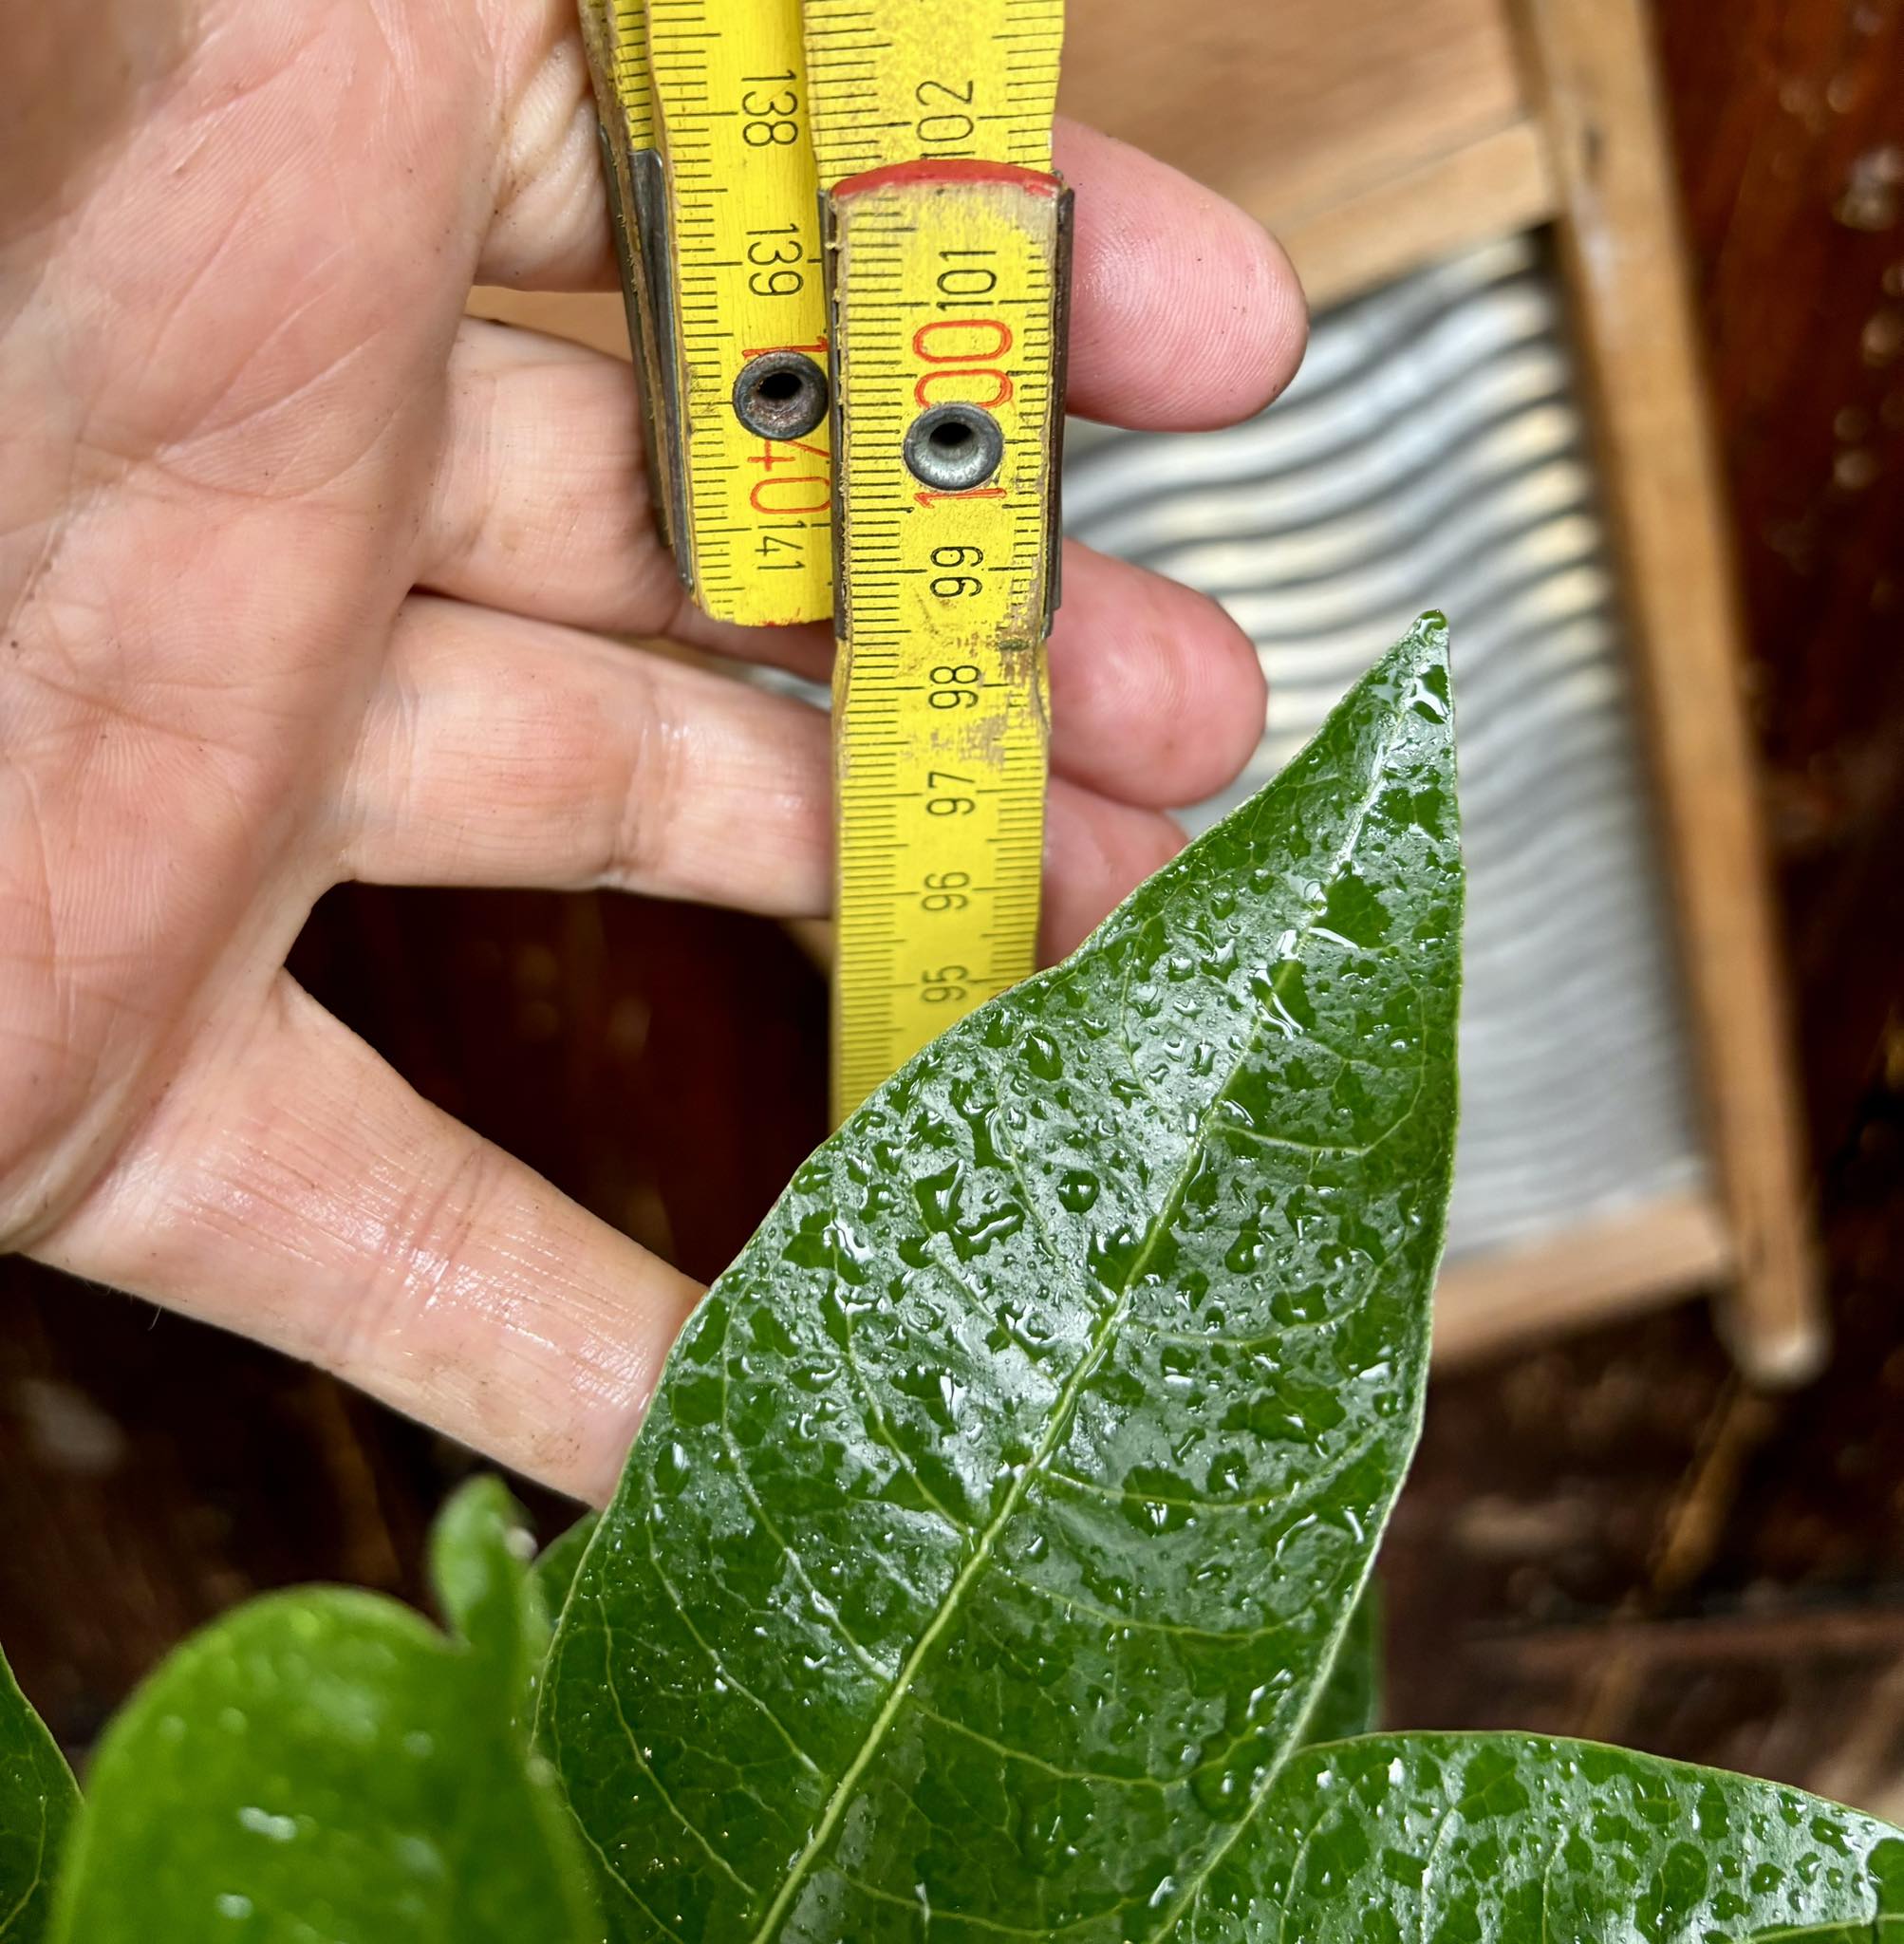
x,y
1607,1535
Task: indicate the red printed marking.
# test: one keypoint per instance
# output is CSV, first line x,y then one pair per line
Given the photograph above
x,y
948,175
929,498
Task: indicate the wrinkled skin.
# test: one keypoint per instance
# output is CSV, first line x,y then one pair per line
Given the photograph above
x,y
305,577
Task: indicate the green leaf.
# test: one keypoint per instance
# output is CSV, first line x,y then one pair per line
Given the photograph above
x,y
555,1570
1523,1840
480,1552
482,1560
324,1765
37,1802
999,1510
1349,1702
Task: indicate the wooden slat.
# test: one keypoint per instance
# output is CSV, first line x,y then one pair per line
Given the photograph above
x,y
1497,185
1656,1253
1622,254
1299,104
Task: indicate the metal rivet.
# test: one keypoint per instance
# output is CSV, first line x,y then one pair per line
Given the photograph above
x,y
954,447
780,395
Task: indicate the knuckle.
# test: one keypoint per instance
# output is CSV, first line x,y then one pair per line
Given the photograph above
x,y
418,1261
651,787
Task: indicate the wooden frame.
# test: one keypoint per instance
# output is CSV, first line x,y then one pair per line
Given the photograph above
x,y
1377,136
1618,227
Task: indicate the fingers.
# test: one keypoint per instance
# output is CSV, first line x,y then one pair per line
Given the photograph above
x,y
503,752
291,1187
1186,312
540,501
1157,695
540,508
1106,849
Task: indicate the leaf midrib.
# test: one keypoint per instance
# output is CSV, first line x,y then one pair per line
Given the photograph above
x,y
1060,1419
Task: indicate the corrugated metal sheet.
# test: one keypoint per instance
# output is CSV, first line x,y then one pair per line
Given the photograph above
x,y
1431,454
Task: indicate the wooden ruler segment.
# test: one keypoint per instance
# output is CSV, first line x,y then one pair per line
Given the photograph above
x,y
920,341
948,247
747,304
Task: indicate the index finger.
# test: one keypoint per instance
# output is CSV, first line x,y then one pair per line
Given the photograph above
x,y
1186,312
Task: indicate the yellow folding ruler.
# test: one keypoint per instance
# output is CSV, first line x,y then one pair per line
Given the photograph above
x,y
945,241
949,238
615,34
703,107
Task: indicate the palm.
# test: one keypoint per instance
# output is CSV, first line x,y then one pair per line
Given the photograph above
x,y
245,427
226,527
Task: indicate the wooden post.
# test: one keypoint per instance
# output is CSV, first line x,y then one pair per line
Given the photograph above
x,y
1593,82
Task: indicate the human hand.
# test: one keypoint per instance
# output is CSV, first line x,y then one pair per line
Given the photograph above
x,y
306,578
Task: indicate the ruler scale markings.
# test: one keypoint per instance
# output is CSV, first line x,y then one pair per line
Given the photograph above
x,y
730,94
947,915
940,318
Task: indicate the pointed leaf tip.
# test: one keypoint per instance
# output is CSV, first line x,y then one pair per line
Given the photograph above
x,y
999,1510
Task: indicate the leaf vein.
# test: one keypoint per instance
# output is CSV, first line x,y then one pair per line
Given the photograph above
x,y
648,1767
1089,1610
1064,1405
746,1483
991,1926
1259,1502
719,1666
1008,1754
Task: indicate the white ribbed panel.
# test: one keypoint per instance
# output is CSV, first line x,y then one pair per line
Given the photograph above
x,y
1432,455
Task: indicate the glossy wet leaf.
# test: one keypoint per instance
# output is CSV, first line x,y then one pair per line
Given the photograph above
x,y
325,1764
1518,1840
999,1510
555,1564
37,1802
1351,1700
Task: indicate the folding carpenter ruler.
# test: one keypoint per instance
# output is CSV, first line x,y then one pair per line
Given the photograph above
x,y
943,237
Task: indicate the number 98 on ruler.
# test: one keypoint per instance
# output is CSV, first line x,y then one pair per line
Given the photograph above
x,y
846,259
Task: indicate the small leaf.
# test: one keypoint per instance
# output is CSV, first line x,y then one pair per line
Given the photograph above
x,y
325,1764
37,1802
482,1560
1523,1840
479,1553
999,1510
1351,1700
